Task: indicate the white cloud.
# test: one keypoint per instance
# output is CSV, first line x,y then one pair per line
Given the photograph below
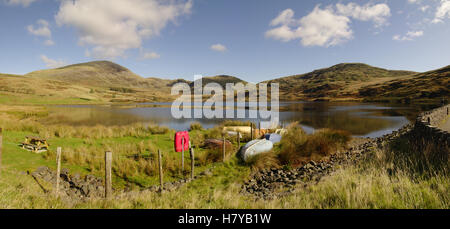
x,y
324,28
218,48
377,13
112,27
283,33
424,8
414,1
24,3
151,55
42,29
409,36
321,27
286,17
442,12
328,26
52,63
49,42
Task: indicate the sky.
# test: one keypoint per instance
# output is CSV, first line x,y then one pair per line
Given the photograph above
x,y
255,40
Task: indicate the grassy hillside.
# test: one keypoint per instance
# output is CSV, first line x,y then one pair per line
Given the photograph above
x,y
222,80
98,73
335,83
103,82
424,86
92,82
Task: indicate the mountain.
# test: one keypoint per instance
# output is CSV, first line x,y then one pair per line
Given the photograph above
x,y
423,86
338,82
107,82
96,82
97,73
222,80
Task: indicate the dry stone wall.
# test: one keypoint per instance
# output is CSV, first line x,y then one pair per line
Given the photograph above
x,y
427,136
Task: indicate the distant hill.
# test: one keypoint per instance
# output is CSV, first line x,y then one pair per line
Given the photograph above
x,y
107,82
334,83
222,80
97,73
423,86
98,82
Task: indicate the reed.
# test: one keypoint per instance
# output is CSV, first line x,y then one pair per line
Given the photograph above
x,y
297,147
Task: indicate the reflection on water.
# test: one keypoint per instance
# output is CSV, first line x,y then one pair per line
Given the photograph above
x,y
367,120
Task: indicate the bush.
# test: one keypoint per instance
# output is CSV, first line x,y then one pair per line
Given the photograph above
x,y
214,133
298,147
339,137
196,126
291,145
262,161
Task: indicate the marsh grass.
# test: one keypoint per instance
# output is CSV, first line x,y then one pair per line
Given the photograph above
x,y
215,155
298,147
263,161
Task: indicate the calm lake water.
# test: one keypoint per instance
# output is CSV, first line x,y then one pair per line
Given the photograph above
x,y
361,119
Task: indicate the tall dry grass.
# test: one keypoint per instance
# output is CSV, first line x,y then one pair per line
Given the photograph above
x,y
215,155
129,160
9,122
263,161
298,147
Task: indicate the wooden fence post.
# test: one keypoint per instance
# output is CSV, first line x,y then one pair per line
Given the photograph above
x,y
259,128
182,156
108,177
160,170
224,148
1,148
192,162
58,168
239,139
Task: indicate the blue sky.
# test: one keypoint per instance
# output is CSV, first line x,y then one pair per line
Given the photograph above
x,y
252,39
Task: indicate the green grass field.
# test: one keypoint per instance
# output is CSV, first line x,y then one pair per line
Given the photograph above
x,y
366,185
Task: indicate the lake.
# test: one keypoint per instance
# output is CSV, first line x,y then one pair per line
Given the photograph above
x,y
360,119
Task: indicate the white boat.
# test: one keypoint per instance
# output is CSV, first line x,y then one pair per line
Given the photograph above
x,y
234,133
241,129
274,138
255,147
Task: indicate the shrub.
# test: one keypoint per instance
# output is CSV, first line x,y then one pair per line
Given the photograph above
x,y
339,137
262,161
214,133
298,147
196,126
291,144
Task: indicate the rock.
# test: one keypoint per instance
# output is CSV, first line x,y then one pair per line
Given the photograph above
x,y
308,166
85,189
